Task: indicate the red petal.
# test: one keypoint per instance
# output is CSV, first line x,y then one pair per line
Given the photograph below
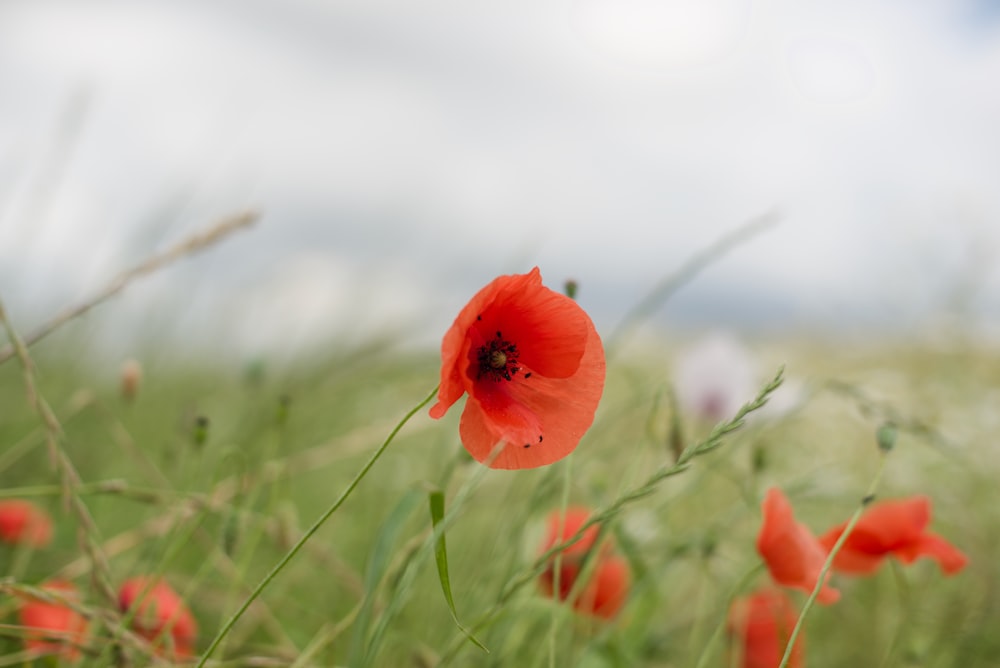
x,y
454,359
792,554
607,591
849,560
56,628
155,608
890,524
560,410
762,624
549,329
892,527
949,558
22,522
560,529
568,572
455,346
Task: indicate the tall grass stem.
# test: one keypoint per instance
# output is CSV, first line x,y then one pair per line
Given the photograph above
x,y
828,564
224,631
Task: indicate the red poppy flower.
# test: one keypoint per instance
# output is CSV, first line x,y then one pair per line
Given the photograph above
x,y
533,366
760,626
561,529
53,628
157,611
22,522
897,528
792,554
604,594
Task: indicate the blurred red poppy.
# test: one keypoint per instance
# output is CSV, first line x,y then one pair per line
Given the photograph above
x,y
760,626
159,614
532,364
792,554
562,528
22,522
897,528
604,594
53,628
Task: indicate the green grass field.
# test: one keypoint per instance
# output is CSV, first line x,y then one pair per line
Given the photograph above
x,y
208,476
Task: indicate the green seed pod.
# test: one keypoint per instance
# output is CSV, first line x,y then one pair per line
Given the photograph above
x,y
886,437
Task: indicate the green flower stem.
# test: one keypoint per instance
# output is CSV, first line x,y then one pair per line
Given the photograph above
x,y
706,652
905,604
867,499
557,573
224,631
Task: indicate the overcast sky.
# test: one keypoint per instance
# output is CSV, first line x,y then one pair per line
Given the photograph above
x,y
402,154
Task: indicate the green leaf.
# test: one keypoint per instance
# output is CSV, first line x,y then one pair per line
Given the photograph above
x,y
441,557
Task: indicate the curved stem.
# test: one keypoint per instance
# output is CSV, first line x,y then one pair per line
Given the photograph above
x,y
224,631
557,564
706,652
867,499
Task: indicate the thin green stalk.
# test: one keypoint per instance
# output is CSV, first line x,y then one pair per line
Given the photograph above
x,y
706,651
310,531
698,604
243,562
557,573
905,605
828,564
404,581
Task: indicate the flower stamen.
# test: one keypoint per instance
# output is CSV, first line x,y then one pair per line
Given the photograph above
x,y
498,359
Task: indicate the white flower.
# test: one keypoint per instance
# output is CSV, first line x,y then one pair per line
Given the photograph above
x,y
714,377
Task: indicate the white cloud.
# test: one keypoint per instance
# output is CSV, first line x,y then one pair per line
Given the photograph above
x,y
461,144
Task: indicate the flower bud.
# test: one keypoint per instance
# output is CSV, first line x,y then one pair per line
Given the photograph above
x,y
886,437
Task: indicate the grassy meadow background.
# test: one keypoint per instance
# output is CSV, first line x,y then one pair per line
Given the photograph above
x,y
401,156
210,473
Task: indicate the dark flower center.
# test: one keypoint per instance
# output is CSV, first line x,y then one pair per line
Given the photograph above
x,y
498,359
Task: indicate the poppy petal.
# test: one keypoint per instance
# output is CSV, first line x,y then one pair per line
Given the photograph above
x,y
554,324
890,524
533,366
561,529
604,594
53,628
158,610
548,415
848,560
22,522
455,347
481,433
792,554
761,625
607,591
453,376
897,527
949,558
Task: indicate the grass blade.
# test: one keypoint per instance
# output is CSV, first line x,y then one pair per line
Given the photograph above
x,y
441,557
